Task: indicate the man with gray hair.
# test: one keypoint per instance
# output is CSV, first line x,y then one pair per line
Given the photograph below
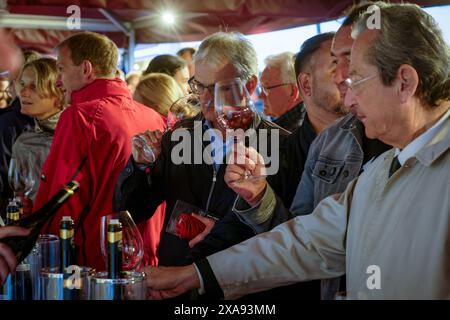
x,y
142,187
389,230
279,92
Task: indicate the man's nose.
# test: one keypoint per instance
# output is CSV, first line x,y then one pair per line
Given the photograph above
x,y
206,99
349,99
341,73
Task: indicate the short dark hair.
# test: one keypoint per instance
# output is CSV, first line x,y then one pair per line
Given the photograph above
x,y
96,48
189,50
165,63
308,48
355,13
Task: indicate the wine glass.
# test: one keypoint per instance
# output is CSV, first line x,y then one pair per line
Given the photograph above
x,y
20,176
235,110
233,104
183,108
22,179
132,244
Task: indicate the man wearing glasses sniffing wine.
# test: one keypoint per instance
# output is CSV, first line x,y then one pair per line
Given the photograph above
x,y
142,187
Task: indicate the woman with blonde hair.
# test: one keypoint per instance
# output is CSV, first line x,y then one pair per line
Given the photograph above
x,y
42,100
157,91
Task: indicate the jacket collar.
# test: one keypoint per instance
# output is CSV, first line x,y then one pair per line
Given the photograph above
x,y
47,125
100,88
350,122
437,146
356,128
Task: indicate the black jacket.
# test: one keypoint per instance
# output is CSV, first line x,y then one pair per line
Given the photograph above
x,y
141,193
12,124
292,119
293,154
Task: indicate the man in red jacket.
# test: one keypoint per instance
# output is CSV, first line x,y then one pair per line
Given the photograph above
x,y
98,126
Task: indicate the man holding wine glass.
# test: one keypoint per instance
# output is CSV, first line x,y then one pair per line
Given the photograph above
x,y
141,187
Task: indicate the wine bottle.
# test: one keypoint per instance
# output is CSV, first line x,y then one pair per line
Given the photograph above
x,y
114,249
22,246
66,242
12,213
19,205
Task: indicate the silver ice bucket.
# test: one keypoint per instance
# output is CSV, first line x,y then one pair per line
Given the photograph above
x,y
18,287
71,285
131,286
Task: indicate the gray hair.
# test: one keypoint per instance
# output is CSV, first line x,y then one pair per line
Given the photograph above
x,y
223,47
409,35
284,62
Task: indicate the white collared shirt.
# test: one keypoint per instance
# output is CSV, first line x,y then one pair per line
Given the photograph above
x,y
413,147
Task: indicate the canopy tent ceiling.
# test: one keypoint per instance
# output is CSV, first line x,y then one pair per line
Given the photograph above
x,y
41,24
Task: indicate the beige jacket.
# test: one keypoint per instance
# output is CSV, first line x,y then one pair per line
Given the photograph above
x,y
390,236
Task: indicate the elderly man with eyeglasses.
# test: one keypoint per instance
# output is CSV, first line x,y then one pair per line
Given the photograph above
x,y
141,187
280,93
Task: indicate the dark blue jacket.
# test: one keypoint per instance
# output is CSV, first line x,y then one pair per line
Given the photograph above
x,y
12,124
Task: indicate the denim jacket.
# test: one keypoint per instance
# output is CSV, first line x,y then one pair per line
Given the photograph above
x,y
334,159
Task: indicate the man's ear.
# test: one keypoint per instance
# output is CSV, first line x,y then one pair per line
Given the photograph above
x,y
304,84
88,70
251,84
295,93
407,82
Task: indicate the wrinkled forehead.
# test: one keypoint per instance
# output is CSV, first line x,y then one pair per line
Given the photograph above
x,y
208,73
270,74
361,47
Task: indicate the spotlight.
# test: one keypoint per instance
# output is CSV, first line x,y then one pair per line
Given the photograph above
x,y
168,18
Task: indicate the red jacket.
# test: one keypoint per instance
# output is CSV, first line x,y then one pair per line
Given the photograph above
x,y
99,124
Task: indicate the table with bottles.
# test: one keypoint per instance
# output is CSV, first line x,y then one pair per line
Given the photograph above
x,y
48,272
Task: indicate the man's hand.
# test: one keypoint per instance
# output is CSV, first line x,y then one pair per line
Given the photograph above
x,y
152,140
246,176
209,224
8,260
169,282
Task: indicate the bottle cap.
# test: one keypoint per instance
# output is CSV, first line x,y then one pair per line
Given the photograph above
x,y
23,267
114,221
66,218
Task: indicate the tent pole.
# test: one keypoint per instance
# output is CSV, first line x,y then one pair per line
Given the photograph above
x,y
131,48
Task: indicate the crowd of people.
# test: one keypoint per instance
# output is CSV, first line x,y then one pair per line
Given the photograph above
x,y
359,203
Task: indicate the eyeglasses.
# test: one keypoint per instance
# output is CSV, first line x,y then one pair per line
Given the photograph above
x,y
266,89
6,92
353,84
199,88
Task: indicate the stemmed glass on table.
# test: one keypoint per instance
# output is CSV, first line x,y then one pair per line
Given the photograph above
x,y
21,178
132,244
